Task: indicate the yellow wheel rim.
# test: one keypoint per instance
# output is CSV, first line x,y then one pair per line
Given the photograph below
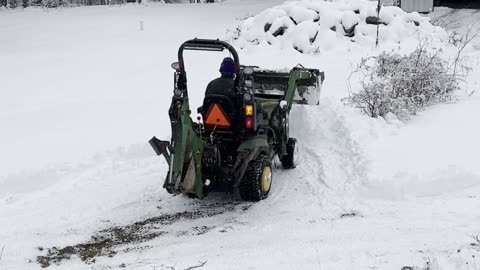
x,y
266,179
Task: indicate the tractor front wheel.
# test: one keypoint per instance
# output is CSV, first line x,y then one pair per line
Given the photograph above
x,y
257,180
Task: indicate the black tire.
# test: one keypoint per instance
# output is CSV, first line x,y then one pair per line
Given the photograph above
x,y
290,159
250,188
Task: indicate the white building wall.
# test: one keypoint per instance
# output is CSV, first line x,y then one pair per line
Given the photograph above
x,y
417,5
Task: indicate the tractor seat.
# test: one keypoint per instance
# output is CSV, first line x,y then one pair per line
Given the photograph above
x,y
220,110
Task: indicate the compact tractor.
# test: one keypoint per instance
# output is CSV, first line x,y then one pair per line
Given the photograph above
x,y
233,144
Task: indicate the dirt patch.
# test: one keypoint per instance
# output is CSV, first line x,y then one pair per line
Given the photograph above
x,y
101,244
202,229
351,214
108,241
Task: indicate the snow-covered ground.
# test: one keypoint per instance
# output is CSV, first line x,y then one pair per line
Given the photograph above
x,y
83,89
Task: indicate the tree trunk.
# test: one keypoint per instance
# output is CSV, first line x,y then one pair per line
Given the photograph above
x,y
378,25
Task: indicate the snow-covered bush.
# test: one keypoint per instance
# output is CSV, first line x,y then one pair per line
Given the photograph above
x,y
403,84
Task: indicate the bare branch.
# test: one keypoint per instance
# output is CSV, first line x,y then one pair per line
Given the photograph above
x,y
171,267
476,238
464,41
1,252
201,264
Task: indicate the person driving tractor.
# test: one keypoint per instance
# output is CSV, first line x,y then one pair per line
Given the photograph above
x,y
224,85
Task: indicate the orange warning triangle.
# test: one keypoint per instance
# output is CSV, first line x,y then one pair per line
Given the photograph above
x,y
216,116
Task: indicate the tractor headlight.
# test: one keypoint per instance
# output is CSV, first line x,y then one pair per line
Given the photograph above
x,y
177,92
247,97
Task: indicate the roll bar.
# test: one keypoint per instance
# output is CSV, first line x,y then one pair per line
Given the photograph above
x,y
214,45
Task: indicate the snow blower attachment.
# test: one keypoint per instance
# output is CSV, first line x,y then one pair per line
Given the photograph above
x,y
233,148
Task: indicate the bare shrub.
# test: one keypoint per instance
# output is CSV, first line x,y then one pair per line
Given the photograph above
x,y
461,41
402,84
459,36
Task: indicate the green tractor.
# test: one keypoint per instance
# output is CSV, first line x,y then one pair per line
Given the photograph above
x,y
232,149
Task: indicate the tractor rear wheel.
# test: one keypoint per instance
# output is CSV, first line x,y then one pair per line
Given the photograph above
x,y
257,180
289,161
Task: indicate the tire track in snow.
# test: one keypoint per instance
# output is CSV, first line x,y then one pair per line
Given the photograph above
x,y
327,150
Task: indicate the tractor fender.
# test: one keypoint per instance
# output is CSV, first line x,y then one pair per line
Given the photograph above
x,y
248,151
256,142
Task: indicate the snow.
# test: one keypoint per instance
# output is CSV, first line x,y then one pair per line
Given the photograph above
x,y
83,89
301,14
340,17
441,130
349,19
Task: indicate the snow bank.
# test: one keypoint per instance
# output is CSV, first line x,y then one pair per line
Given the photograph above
x,y
314,26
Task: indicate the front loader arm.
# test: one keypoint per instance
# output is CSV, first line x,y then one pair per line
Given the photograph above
x,y
303,77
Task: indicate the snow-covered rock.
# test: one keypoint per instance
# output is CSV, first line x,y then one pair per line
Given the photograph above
x,y
349,19
300,14
302,25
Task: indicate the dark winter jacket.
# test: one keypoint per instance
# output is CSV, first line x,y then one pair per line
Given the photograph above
x,y
222,86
